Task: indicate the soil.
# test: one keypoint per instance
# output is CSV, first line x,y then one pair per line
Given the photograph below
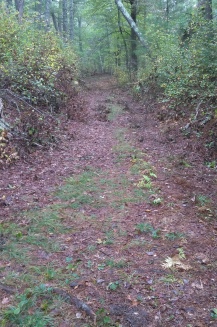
x,y
182,210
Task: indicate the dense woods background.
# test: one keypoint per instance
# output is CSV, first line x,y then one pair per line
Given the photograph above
x,y
167,49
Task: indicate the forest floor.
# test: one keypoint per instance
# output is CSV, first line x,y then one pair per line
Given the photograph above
x,y
115,226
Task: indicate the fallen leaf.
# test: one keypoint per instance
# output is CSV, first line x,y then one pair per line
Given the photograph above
x,y
5,300
197,285
78,315
133,300
175,261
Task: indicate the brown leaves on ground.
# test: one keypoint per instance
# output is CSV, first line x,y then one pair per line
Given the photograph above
x,y
120,273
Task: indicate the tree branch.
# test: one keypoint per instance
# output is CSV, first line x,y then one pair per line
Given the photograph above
x,y
132,24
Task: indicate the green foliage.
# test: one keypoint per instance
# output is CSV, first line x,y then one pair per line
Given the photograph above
x,y
113,286
184,70
102,318
30,309
148,228
174,235
214,313
32,62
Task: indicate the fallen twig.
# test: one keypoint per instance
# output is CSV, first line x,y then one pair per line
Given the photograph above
x,y
76,302
197,109
7,289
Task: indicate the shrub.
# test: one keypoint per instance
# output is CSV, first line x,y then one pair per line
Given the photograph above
x,y
31,61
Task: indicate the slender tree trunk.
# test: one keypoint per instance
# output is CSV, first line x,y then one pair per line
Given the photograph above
x,y
71,20
205,7
80,34
167,10
131,23
124,40
133,37
65,18
19,5
59,17
47,14
54,19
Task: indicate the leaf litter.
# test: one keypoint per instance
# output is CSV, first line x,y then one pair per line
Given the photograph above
x,y
100,225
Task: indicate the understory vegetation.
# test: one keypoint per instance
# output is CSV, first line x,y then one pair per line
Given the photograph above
x,y
38,76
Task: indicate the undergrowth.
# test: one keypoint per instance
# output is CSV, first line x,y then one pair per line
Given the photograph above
x,y
38,76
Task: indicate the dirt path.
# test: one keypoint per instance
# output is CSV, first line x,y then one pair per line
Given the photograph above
x,y
120,216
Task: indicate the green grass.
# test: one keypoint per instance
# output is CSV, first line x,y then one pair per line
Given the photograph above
x,y
30,310
174,235
80,189
115,111
202,200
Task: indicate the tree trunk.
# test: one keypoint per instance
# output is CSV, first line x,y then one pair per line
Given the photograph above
x,y
124,40
131,23
167,10
59,17
65,17
205,7
19,5
79,34
133,37
47,14
71,20
54,19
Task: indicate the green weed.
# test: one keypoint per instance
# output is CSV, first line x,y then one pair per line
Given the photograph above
x,y
30,309
174,235
116,264
103,318
202,200
113,286
157,201
147,228
214,313
169,279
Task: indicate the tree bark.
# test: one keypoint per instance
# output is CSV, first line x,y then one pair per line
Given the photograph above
x,y
59,17
124,40
65,17
131,23
79,34
133,37
205,7
19,5
47,14
54,19
71,20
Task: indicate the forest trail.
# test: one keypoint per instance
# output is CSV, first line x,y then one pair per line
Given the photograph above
x,y
118,216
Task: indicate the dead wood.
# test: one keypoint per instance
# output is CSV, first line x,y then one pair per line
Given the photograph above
x,y
73,300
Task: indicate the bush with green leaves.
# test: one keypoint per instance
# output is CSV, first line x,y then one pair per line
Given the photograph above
x,y
33,62
182,69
